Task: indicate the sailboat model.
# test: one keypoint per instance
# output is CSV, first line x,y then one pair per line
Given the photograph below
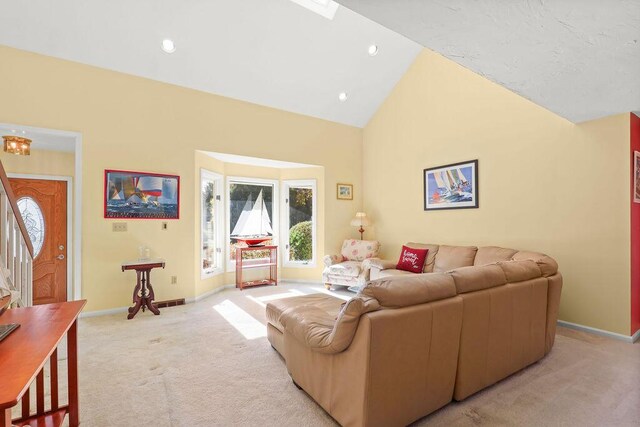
x,y
254,225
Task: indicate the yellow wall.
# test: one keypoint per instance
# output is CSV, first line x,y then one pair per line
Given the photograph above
x,y
545,184
40,162
138,124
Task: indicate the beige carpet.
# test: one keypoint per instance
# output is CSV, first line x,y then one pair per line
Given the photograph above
x,y
191,367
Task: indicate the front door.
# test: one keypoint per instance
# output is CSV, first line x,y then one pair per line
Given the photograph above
x,y
43,205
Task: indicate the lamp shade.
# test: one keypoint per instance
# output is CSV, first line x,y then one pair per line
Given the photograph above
x,y
361,219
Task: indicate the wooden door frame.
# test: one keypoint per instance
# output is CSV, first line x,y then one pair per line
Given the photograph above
x,y
77,201
70,222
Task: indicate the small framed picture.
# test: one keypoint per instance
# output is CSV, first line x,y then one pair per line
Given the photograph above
x,y
345,192
636,176
452,186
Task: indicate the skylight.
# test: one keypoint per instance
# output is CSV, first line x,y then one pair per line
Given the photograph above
x,y
326,8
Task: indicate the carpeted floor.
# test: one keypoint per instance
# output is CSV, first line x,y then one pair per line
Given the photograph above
x,y
191,367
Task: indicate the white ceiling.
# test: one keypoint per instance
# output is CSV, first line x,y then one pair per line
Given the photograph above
x,y
255,161
578,58
273,53
41,139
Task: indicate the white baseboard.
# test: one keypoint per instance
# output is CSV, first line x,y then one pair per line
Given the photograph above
x,y
209,293
103,312
304,282
125,309
626,338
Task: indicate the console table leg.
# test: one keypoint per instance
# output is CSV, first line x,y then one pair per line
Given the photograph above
x,y
72,364
5,421
150,296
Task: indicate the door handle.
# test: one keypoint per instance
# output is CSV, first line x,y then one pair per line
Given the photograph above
x,y
61,256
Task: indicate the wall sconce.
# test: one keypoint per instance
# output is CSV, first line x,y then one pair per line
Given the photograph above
x,y
17,145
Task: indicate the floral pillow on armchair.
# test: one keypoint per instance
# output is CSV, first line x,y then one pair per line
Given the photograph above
x,y
359,250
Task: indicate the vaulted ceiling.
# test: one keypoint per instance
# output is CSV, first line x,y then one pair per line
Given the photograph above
x,y
269,52
579,59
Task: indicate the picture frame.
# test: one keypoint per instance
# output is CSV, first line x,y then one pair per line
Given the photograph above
x,y
141,195
636,176
453,186
344,191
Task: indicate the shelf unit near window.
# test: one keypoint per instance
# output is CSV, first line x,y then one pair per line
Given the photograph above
x,y
270,263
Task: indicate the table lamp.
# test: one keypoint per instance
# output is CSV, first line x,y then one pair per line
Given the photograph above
x,y
361,220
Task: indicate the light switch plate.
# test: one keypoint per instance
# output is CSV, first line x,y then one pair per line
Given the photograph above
x,y
119,226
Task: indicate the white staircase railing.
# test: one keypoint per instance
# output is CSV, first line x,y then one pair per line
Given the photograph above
x,y
16,251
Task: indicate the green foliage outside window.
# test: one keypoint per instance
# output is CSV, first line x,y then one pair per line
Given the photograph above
x,y
301,242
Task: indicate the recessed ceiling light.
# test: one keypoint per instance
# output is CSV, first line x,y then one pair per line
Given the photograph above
x,y
168,46
342,96
373,50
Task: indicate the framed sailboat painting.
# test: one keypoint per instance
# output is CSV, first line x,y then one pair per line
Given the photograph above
x,y
452,186
141,195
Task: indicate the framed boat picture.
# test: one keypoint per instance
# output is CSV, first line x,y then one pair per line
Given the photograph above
x,y
141,195
452,186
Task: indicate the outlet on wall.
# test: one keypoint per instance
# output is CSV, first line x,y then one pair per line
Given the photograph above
x,y
174,280
119,226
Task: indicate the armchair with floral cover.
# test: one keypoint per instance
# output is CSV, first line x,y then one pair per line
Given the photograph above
x,y
351,267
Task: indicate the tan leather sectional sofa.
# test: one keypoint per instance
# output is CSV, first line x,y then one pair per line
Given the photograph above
x,y
406,346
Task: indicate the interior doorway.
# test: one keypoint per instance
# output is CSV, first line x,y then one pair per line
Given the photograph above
x,y
43,205
55,155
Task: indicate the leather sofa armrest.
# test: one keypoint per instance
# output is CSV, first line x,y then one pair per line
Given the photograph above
x,y
380,264
329,260
323,333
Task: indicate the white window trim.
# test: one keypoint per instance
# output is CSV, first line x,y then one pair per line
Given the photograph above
x,y
286,184
219,220
275,223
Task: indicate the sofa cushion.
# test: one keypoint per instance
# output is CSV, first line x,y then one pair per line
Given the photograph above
x,y
519,271
346,268
547,265
412,259
326,303
431,255
359,250
411,289
323,332
490,254
475,278
450,257
390,272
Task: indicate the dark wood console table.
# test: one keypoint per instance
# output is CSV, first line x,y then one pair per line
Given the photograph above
x,y
143,295
23,355
271,263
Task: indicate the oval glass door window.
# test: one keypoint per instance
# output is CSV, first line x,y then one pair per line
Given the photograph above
x,y
34,221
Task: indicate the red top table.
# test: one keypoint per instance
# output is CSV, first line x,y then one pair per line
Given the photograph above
x,y
23,355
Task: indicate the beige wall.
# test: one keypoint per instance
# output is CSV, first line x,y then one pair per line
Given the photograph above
x,y
138,124
545,184
56,163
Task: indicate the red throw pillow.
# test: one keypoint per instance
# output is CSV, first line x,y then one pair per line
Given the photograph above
x,y
412,259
